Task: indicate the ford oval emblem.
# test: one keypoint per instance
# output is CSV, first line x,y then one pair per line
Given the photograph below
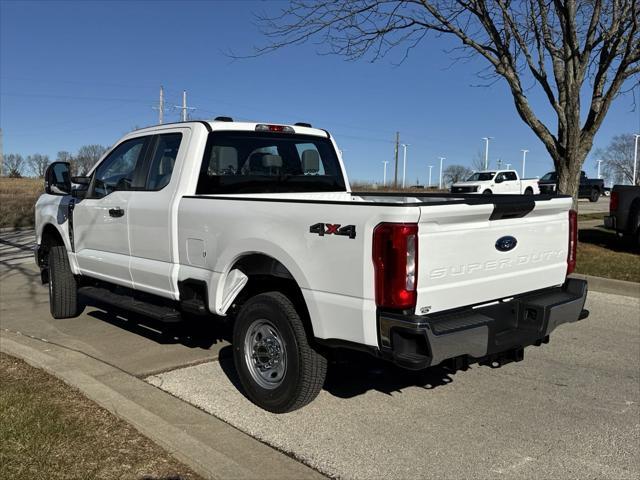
x,y
504,244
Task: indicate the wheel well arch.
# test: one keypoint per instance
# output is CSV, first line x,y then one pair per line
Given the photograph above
x,y
50,237
267,273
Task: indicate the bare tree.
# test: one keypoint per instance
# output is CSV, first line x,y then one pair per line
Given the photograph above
x,y
617,159
455,173
477,162
38,164
14,165
564,48
87,157
64,156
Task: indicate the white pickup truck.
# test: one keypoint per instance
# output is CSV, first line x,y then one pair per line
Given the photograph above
x,y
497,181
257,223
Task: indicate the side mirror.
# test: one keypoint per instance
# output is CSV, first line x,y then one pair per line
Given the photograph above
x,y
57,179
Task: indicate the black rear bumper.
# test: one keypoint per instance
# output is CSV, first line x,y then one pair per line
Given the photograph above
x,y
474,334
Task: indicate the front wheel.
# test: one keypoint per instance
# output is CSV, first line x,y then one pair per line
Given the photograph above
x,y
487,192
63,286
279,370
594,195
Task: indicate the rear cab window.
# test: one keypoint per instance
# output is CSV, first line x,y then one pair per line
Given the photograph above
x,y
266,162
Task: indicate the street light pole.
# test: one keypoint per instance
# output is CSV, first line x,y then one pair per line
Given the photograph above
x,y
508,166
524,160
599,162
442,159
430,167
486,152
384,175
635,159
404,168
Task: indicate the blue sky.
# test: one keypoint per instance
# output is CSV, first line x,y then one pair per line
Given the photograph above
x,y
75,73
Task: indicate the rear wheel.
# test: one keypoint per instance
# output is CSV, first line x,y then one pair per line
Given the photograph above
x,y
487,192
279,370
63,287
594,195
528,191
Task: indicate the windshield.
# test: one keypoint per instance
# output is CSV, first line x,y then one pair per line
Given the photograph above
x,y
481,176
256,162
549,177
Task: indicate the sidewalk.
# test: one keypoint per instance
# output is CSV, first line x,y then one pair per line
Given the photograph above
x,y
209,446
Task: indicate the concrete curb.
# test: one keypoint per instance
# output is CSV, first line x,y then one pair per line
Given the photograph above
x,y
608,285
209,446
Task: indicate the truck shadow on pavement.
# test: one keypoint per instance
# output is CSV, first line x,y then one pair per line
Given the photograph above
x,y
191,333
351,374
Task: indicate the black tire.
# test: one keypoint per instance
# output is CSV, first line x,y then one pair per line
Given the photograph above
x,y
528,191
594,195
487,192
63,287
304,368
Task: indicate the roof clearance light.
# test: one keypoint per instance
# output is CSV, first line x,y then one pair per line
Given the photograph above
x,y
274,128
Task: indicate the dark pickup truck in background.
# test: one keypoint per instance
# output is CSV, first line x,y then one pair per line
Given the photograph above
x,y
624,211
590,188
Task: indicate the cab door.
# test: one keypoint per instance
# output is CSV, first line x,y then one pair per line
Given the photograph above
x,y
152,220
101,219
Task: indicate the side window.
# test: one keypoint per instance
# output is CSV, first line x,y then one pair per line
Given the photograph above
x,y
510,176
164,158
116,172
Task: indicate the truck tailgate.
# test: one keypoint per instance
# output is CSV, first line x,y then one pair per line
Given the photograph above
x,y
460,263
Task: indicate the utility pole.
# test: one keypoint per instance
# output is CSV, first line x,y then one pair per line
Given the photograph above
x,y
184,107
486,152
404,168
499,162
524,160
384,175
635,159
430,167
599,163
160,107
395,174
442,159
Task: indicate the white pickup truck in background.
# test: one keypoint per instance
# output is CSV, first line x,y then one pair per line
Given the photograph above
x,y
257,223
497,181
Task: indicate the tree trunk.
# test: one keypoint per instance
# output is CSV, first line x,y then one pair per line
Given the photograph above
x,y
568,170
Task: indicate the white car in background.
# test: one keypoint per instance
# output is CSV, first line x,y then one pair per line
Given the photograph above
x,y
497,181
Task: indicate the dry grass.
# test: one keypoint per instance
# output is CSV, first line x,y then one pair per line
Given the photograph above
x,y
603,254
48,430
591,216
18,197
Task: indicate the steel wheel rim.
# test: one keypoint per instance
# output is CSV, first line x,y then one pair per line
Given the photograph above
x,y
265,354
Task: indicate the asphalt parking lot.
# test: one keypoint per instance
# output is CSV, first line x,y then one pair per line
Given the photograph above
x,y
601,206
569,410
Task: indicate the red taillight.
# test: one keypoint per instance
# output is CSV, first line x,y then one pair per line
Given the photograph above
x,y
573,241
261,127
395,261
613,202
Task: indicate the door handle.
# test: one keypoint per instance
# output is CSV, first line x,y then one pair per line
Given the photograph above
x,y
116,212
